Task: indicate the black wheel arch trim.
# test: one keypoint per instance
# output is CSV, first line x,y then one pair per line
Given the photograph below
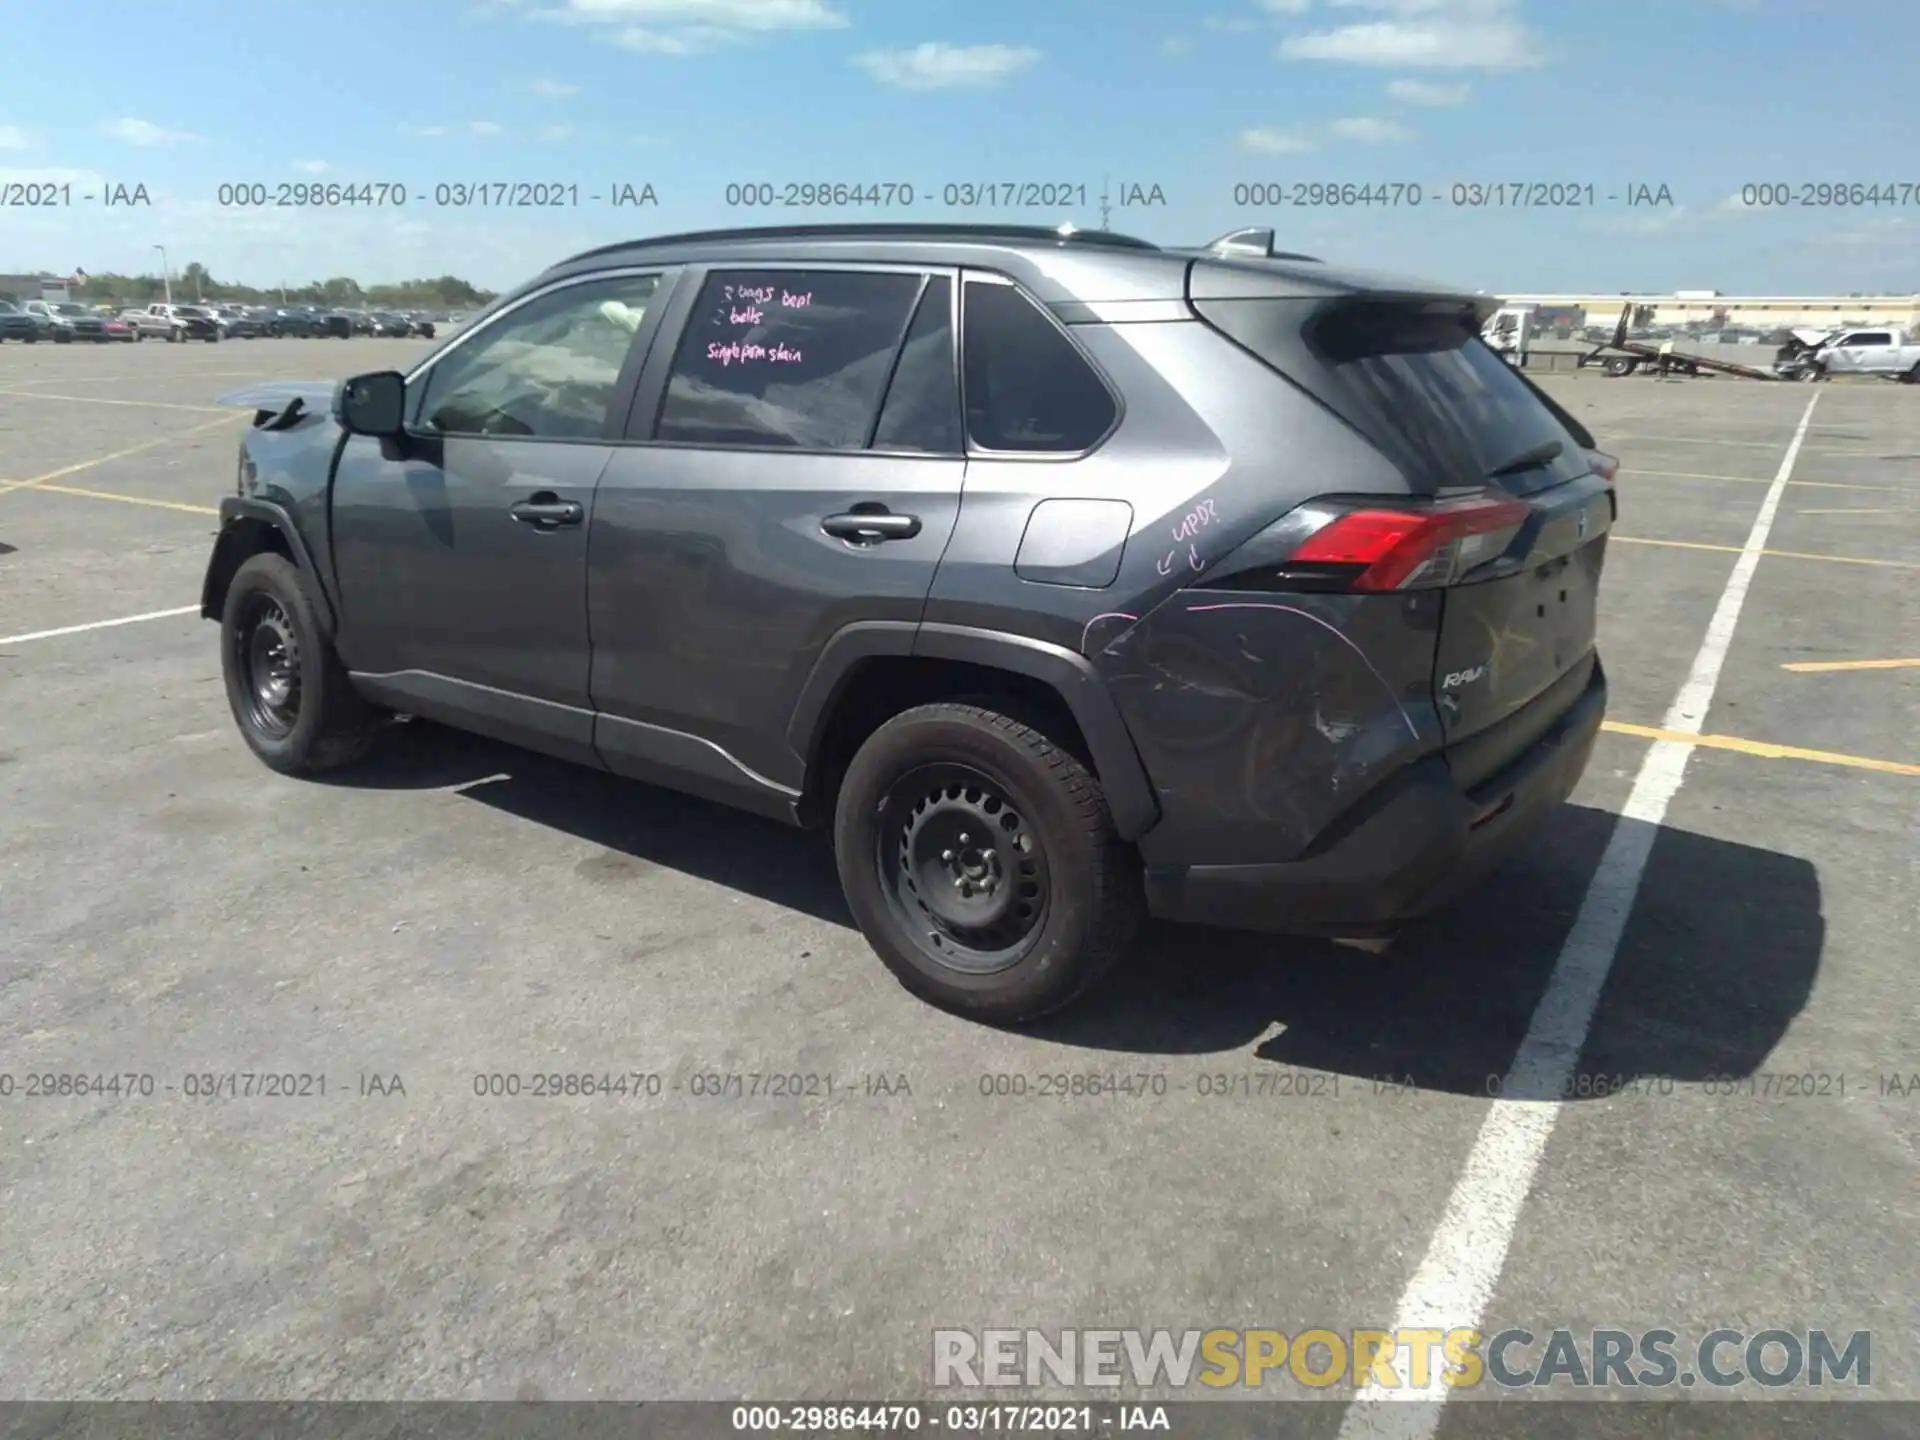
x,y
1130,795
225,561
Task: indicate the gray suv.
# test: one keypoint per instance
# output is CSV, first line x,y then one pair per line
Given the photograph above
x,y
1060,577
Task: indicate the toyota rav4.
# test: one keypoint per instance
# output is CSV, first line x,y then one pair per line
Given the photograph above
x,y
1060,577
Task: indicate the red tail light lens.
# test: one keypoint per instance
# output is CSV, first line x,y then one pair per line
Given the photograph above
x,y
1409,549
1603,465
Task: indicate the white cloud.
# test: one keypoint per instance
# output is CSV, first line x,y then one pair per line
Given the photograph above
x,y
1425,34
311,167
12,137
1287,7
142,132
1175,45
1231,24
556,132
935,66
1265,141
486,127
552,89
661,42
1426,92
1370,130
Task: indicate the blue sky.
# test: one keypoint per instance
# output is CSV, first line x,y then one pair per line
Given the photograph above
x,y
1699,96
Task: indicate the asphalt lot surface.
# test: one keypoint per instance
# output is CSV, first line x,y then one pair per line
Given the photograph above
x,y
453,909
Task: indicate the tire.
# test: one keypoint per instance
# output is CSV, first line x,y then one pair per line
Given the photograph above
x,y
1618,366
905,820
319,722
1912,377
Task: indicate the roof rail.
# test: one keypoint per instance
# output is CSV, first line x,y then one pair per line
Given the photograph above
x,y
1257,243
896,231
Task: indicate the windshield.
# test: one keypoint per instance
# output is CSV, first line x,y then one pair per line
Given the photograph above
x,y
69,308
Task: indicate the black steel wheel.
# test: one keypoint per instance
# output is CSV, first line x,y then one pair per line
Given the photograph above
x,y
965,873
267,653
291,697
980,861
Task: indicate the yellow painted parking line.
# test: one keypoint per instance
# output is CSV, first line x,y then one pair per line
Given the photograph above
x,y
1627,472
127,499
1827,667
145,445
1775,554
1760,748
97,400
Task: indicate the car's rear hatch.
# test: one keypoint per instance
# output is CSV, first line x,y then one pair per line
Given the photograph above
x,y
1474,439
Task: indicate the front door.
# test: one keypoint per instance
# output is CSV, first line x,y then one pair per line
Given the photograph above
x,y
462,549
796,464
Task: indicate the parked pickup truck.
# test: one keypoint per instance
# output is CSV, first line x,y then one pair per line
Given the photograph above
x,y
1886,351
173,322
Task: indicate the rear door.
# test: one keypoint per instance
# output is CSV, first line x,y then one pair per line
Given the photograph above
x,y
793,463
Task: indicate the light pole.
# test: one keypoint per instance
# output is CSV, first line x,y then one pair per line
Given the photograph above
x,y
166,275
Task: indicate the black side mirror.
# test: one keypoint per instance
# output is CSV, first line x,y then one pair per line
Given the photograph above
x,y
373,404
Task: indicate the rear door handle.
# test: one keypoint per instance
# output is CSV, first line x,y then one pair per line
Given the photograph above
x,y
871,528
547,511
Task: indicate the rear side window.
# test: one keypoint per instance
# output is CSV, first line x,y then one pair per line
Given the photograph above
x,y
1422,386
922,412
1028,387
787,358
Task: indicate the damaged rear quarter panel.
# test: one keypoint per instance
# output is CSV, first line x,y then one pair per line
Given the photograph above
x,y
1260,718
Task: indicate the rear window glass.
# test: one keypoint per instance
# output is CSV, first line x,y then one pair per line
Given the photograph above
x,y
787,358
1423,387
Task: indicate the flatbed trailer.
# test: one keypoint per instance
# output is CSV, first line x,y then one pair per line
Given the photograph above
x,y
1631,355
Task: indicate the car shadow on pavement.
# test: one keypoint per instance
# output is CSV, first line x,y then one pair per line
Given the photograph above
x,y
662,827
1718,955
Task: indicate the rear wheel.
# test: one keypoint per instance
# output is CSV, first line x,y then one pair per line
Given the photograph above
x,y
1619,366
1912,377
289,694
981,863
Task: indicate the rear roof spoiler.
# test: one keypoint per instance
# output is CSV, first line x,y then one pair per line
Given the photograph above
x,y
1256,244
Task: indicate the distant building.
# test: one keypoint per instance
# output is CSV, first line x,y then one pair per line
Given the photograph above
x,y
32,287
1753,312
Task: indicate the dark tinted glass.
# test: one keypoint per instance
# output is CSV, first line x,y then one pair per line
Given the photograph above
x,y
1028,387
923,403
786,357
1422,386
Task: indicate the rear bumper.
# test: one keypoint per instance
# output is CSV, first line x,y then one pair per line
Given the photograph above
x,y
1408,849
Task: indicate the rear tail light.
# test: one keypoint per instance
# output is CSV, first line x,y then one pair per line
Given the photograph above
x,y
1603,465
1404,549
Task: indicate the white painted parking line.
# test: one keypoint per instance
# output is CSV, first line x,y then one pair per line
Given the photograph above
x,y
1468,1249
98,625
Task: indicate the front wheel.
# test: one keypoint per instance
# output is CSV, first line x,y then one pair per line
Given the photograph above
x,y
980,862
288,691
